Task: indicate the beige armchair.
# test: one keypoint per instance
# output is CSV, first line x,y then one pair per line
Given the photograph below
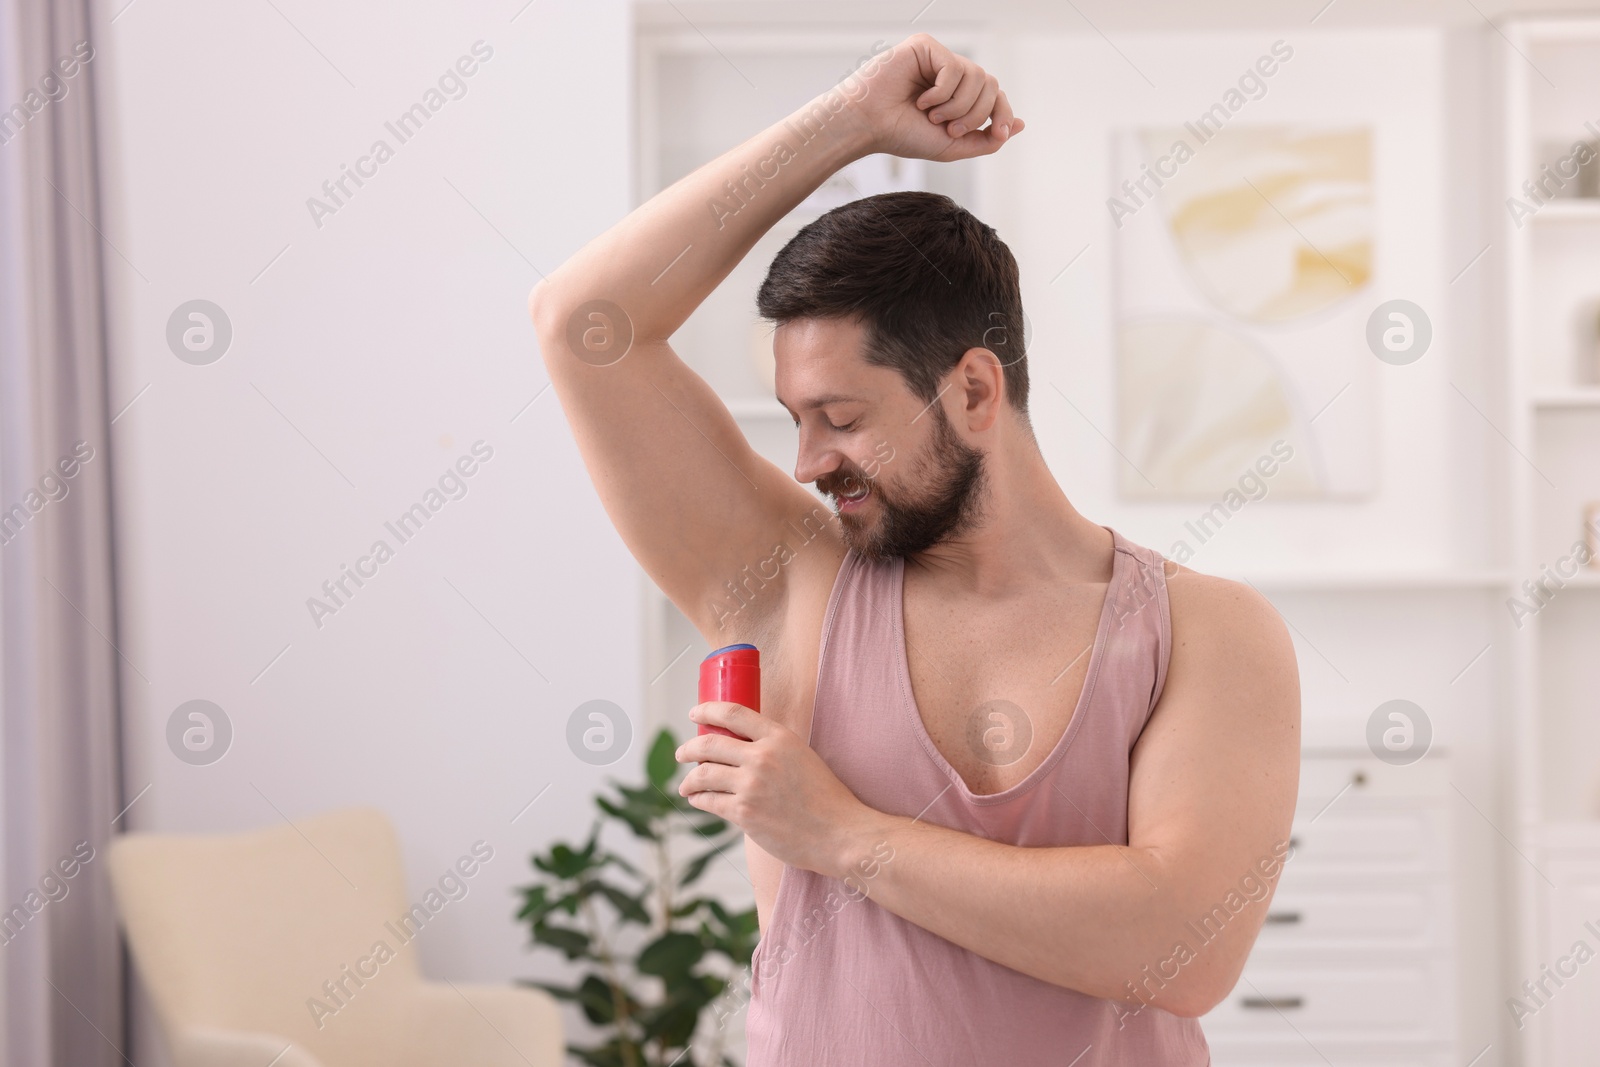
x,y
295,946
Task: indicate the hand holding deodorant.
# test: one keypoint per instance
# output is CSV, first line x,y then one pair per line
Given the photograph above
x,y
731,673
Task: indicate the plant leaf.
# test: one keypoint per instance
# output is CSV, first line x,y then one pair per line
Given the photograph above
x,y
671,955
690,906
642,823
535,903
594,996
574,943
697,866
611,859
560,992
662,765
673,1021
564,861
629,907
609,1054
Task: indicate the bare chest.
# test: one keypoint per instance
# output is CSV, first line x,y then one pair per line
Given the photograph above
x,y
997,685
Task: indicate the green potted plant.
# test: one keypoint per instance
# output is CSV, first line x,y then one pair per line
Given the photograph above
x,y
653,954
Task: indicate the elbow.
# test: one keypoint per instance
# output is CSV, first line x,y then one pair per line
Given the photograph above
x,y
1203,990
1189,1000
542,306
1193,1003
534,295
550,313
1186,984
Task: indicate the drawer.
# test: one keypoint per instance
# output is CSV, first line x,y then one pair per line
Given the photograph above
x,y
1368,838
1309,915
1324,776
1339,1054
1402,1000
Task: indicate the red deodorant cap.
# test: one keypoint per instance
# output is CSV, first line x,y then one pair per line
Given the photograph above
x,y
731,673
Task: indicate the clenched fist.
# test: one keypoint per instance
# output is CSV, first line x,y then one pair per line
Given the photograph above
x,y
920,100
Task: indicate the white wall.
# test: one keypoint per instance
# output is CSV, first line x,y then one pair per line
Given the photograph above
x,y
364,361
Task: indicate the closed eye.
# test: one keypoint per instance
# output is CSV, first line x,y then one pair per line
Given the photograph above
x,y
842,429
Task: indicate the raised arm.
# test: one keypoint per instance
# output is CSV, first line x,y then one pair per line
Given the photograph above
x,y
692,500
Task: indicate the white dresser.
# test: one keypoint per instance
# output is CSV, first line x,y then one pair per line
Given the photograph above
x,y
1355,963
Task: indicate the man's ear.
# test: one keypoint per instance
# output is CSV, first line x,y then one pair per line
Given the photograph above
x,y
982,381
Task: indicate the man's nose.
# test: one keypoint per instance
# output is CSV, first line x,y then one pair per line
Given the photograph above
x,y
814,461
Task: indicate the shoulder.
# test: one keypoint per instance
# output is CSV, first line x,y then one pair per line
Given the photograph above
x,y
1231,700
1213,609
1227,637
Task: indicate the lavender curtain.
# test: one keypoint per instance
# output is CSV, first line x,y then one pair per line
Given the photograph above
x,y
61,964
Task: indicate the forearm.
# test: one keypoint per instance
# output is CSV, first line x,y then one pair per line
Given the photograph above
x,y
663,259
1100,920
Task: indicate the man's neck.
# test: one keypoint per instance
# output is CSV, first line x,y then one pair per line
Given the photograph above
x,y
1027,533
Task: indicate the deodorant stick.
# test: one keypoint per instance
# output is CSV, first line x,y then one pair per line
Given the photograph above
x,y
731,673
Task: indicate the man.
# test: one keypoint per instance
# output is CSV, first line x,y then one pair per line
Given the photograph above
x,y
1020,788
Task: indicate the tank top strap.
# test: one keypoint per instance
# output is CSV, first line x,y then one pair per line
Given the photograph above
x,y
852,651
1141,608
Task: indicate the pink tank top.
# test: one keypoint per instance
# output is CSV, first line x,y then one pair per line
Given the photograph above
x,y
837,978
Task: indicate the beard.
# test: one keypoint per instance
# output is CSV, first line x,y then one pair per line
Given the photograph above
x,y
951,474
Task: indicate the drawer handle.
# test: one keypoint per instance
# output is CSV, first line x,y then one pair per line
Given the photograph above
x,y
1284,918
1275,1003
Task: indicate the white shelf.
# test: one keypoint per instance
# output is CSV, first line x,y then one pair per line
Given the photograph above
x,y
1381,581
1407,581
1577,209
1575,397
1582,834
1551,76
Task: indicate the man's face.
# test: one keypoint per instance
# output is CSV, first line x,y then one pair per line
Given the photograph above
x,y
860,428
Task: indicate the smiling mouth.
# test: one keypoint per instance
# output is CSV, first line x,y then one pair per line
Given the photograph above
x,y
853,499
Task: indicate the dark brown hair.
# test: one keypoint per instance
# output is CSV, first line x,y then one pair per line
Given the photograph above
x,y
925,277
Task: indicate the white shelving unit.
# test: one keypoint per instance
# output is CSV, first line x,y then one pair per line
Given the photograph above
x,y
1552,80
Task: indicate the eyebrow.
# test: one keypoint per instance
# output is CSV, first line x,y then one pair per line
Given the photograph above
x,y
819,401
